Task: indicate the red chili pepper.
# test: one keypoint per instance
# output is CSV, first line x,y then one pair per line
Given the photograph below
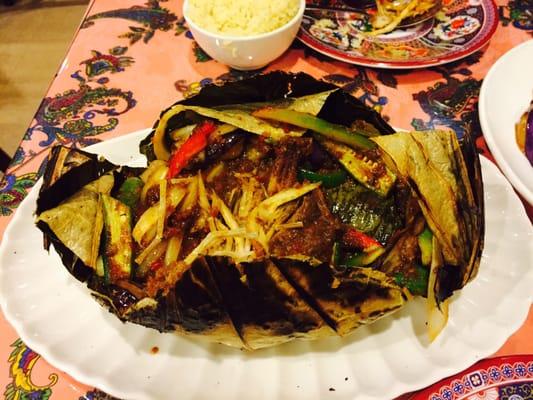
x,y
354,238
156,265
192,146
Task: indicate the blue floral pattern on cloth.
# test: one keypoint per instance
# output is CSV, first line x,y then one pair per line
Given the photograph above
x,y
152,17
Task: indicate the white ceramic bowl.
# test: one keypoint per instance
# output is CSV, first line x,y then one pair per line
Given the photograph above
x,y
246,52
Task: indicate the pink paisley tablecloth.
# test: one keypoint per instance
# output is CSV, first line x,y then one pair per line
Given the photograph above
x,y
130,59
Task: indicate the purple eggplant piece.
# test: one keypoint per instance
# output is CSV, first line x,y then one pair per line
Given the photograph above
x,y
529,136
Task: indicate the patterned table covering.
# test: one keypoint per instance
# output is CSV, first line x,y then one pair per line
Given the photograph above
x,y
130,59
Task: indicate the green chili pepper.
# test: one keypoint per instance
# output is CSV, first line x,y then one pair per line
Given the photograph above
x,y
415,281
329,180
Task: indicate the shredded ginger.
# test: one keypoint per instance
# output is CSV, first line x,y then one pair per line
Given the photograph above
x,y
241,232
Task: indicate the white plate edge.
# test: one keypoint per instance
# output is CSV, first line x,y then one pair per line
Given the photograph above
x,y
396,390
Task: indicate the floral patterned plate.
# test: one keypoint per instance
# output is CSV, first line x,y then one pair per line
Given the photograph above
x,y
459,29
509,378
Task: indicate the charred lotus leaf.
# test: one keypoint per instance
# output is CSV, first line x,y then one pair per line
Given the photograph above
x,y
449,195
248,237
72,263
67,171
264,306
340,107
347,300
343,109
260,88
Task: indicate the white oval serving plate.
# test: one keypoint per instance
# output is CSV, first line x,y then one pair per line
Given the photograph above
x,y
56,316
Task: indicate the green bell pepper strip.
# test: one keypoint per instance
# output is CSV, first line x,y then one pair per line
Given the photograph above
x,y
425,243
364,258
329,180
338,133
416,283
130,191
336,254
354,261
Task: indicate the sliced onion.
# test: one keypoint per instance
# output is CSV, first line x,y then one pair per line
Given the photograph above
x,y
214,172
152,253
146,222
175,195
191,197
173,249
152,167
202,194
158,174
162,208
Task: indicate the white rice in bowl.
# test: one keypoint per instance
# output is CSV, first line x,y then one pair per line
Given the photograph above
x,y
241,17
